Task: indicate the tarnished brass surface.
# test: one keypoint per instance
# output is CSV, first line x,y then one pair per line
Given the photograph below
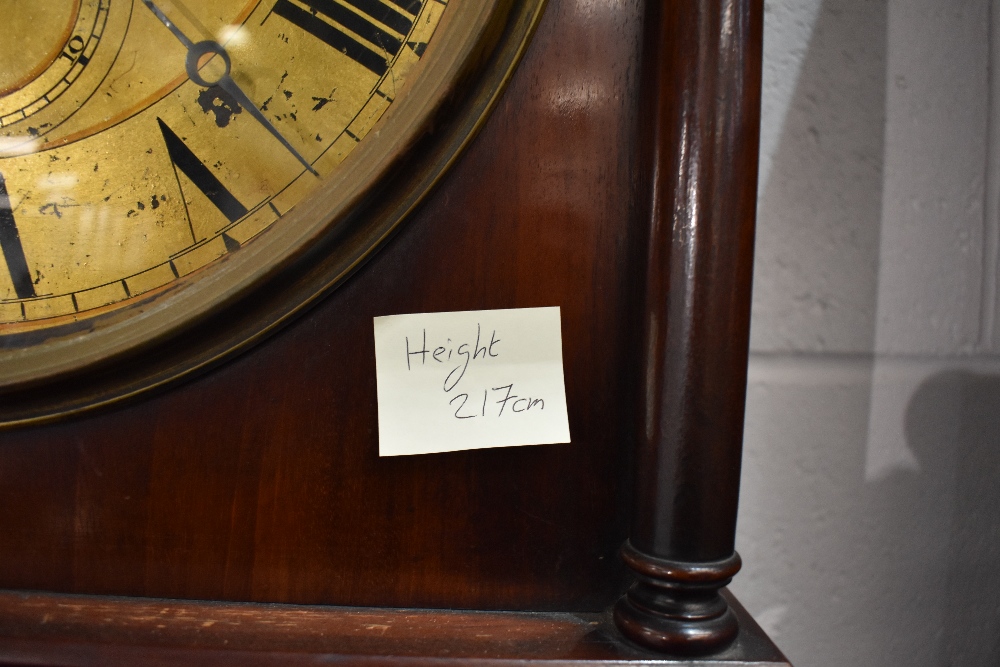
x,y
98,109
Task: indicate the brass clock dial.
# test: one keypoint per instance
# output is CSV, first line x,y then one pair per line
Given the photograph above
x,y
162,159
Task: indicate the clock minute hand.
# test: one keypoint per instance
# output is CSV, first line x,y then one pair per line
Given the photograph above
x,y
226,82
230,86
170,24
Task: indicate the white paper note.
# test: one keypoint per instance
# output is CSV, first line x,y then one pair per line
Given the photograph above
x,y
469,380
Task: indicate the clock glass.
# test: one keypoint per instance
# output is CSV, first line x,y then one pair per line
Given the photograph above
x,y
162,159
141,141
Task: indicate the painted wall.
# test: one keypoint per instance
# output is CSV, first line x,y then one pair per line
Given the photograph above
x,y
870,515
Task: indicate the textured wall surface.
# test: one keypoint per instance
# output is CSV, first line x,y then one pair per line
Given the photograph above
x,y
869,520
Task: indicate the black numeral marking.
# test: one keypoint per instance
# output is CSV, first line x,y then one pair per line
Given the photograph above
x,y
377,45
412,6
385,14
13,253
185,160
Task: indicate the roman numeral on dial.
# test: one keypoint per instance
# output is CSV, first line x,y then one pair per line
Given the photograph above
x,y
13,252
184,159
354,30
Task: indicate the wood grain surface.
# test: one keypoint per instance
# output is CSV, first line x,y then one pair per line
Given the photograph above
x,y
616,180
80,631
261,482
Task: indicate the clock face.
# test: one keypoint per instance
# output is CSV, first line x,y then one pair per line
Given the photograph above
x,y
140,142
161,158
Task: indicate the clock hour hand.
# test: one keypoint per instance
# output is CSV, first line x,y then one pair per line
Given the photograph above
x,y
196,50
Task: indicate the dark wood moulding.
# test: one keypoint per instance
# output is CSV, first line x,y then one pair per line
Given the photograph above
x,y
81,631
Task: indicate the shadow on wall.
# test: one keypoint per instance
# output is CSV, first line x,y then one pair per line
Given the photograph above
x,y
969,404
871,489
819,214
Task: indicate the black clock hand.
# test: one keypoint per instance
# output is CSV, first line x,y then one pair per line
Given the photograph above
x,y
226,82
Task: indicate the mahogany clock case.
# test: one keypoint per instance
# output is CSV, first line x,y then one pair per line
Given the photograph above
x,y
620,190
260,481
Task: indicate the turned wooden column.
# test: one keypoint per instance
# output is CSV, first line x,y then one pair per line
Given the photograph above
x,y
700,130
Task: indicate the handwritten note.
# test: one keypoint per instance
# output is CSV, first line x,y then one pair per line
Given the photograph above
x,y
469,380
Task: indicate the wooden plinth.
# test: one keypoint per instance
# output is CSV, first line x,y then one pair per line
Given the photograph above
x,y
79,631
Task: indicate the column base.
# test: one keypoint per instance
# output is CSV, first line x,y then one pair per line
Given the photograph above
x,y
675,607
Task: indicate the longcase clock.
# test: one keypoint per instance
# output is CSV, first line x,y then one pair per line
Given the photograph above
x,y
203,206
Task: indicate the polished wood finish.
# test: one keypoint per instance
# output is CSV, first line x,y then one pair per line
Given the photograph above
x,y
76,631
702,119
260,482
